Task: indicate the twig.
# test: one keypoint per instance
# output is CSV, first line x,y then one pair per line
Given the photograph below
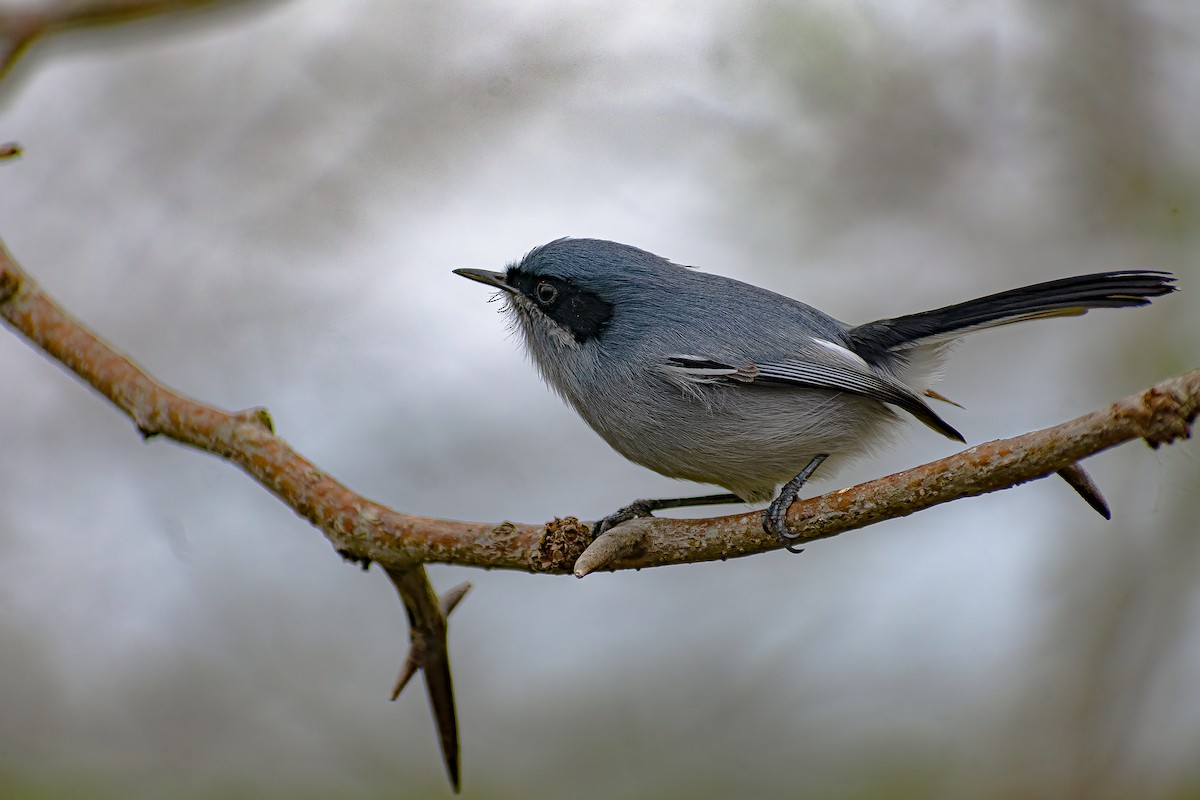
x,y
414,660
22,26
428,652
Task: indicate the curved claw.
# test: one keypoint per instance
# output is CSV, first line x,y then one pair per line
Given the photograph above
x,y
774,519
638,508
774,523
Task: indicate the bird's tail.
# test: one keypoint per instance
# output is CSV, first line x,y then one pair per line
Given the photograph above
x,y
913,345
1061,298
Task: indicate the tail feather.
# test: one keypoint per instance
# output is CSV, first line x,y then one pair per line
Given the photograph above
x,y
916,343
1063,297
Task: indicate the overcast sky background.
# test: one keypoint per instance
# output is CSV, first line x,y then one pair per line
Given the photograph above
x,y
263,208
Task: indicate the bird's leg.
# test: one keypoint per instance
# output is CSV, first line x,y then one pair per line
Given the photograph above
x,y
774,518
642,508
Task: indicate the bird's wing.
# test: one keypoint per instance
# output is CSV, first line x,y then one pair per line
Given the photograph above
x,y
824,366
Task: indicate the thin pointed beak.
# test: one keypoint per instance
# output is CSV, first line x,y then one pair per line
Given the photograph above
x,y
495,279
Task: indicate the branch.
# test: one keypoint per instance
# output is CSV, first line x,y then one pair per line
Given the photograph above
x,y
363,531
428,653
1159,415
246,439
20,27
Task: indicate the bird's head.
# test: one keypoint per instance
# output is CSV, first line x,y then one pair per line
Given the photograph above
x,y
567,294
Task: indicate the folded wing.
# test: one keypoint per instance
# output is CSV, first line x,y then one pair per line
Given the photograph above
x,y
827,366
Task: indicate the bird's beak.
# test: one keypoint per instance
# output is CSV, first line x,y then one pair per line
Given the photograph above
x,y
495,279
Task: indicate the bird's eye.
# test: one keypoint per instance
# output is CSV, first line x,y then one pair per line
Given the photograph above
x,y
546,293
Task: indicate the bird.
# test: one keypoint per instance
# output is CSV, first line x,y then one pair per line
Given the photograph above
x,y
702,377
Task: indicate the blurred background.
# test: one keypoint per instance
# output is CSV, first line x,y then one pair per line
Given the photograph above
x,y
261,203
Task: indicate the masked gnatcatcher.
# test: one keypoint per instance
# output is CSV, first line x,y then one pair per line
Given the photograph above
x,y
709,379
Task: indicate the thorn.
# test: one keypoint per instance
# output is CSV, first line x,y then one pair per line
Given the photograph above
x,y
441,699
1083,483
448,602
428,653
406,672
626,539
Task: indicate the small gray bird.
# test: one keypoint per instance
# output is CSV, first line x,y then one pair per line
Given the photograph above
x,y
712,380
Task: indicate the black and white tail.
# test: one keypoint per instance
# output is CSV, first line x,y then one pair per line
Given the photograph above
x,y
913,346
1060,298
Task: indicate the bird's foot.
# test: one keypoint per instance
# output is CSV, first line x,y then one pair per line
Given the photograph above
x,y
774,516
638,508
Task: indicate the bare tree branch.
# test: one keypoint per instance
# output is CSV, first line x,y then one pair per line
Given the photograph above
x,y
1159,415
364,531
23,25
416,654
428,653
